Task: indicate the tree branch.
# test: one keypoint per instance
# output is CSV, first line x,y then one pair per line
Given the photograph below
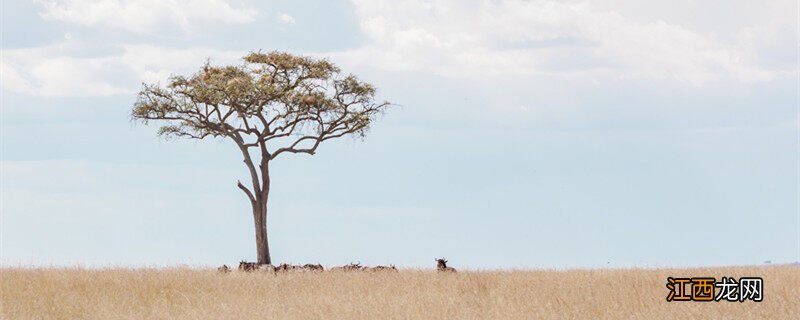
x,y
246,191
248,161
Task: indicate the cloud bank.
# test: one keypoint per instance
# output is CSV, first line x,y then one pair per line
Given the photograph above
x,y
490,41
59,71
478,39
144,16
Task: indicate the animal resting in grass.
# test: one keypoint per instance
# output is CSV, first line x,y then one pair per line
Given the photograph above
x,y
306,267
350,267
271,105
285,267
441,266
248,266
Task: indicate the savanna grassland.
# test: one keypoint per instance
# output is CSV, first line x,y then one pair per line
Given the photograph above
x,y
409,294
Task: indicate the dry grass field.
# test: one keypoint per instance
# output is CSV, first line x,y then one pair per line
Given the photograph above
x,y
409,294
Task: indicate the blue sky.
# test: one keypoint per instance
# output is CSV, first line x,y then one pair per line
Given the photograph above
x,y
535,134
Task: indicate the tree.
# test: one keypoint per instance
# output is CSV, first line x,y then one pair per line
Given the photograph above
x,y
271,105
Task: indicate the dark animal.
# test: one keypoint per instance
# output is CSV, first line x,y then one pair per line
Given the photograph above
x,y
224,269
248,266
313,267
441,266
285,267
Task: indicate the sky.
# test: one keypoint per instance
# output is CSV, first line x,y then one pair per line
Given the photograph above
x,y
525,134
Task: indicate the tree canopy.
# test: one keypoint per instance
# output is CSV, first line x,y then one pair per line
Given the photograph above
x,y
272,97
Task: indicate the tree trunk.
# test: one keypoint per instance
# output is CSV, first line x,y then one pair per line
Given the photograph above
x,y
260,219
258,198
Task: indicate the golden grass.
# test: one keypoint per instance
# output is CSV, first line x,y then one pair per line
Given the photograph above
x,y
409,294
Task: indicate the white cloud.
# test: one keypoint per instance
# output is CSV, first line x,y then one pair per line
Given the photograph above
x,y
47,71
479,39
143,16
286,18
61,70
489,40
11,80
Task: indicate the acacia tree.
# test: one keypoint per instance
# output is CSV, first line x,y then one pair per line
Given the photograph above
x,y
271,105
